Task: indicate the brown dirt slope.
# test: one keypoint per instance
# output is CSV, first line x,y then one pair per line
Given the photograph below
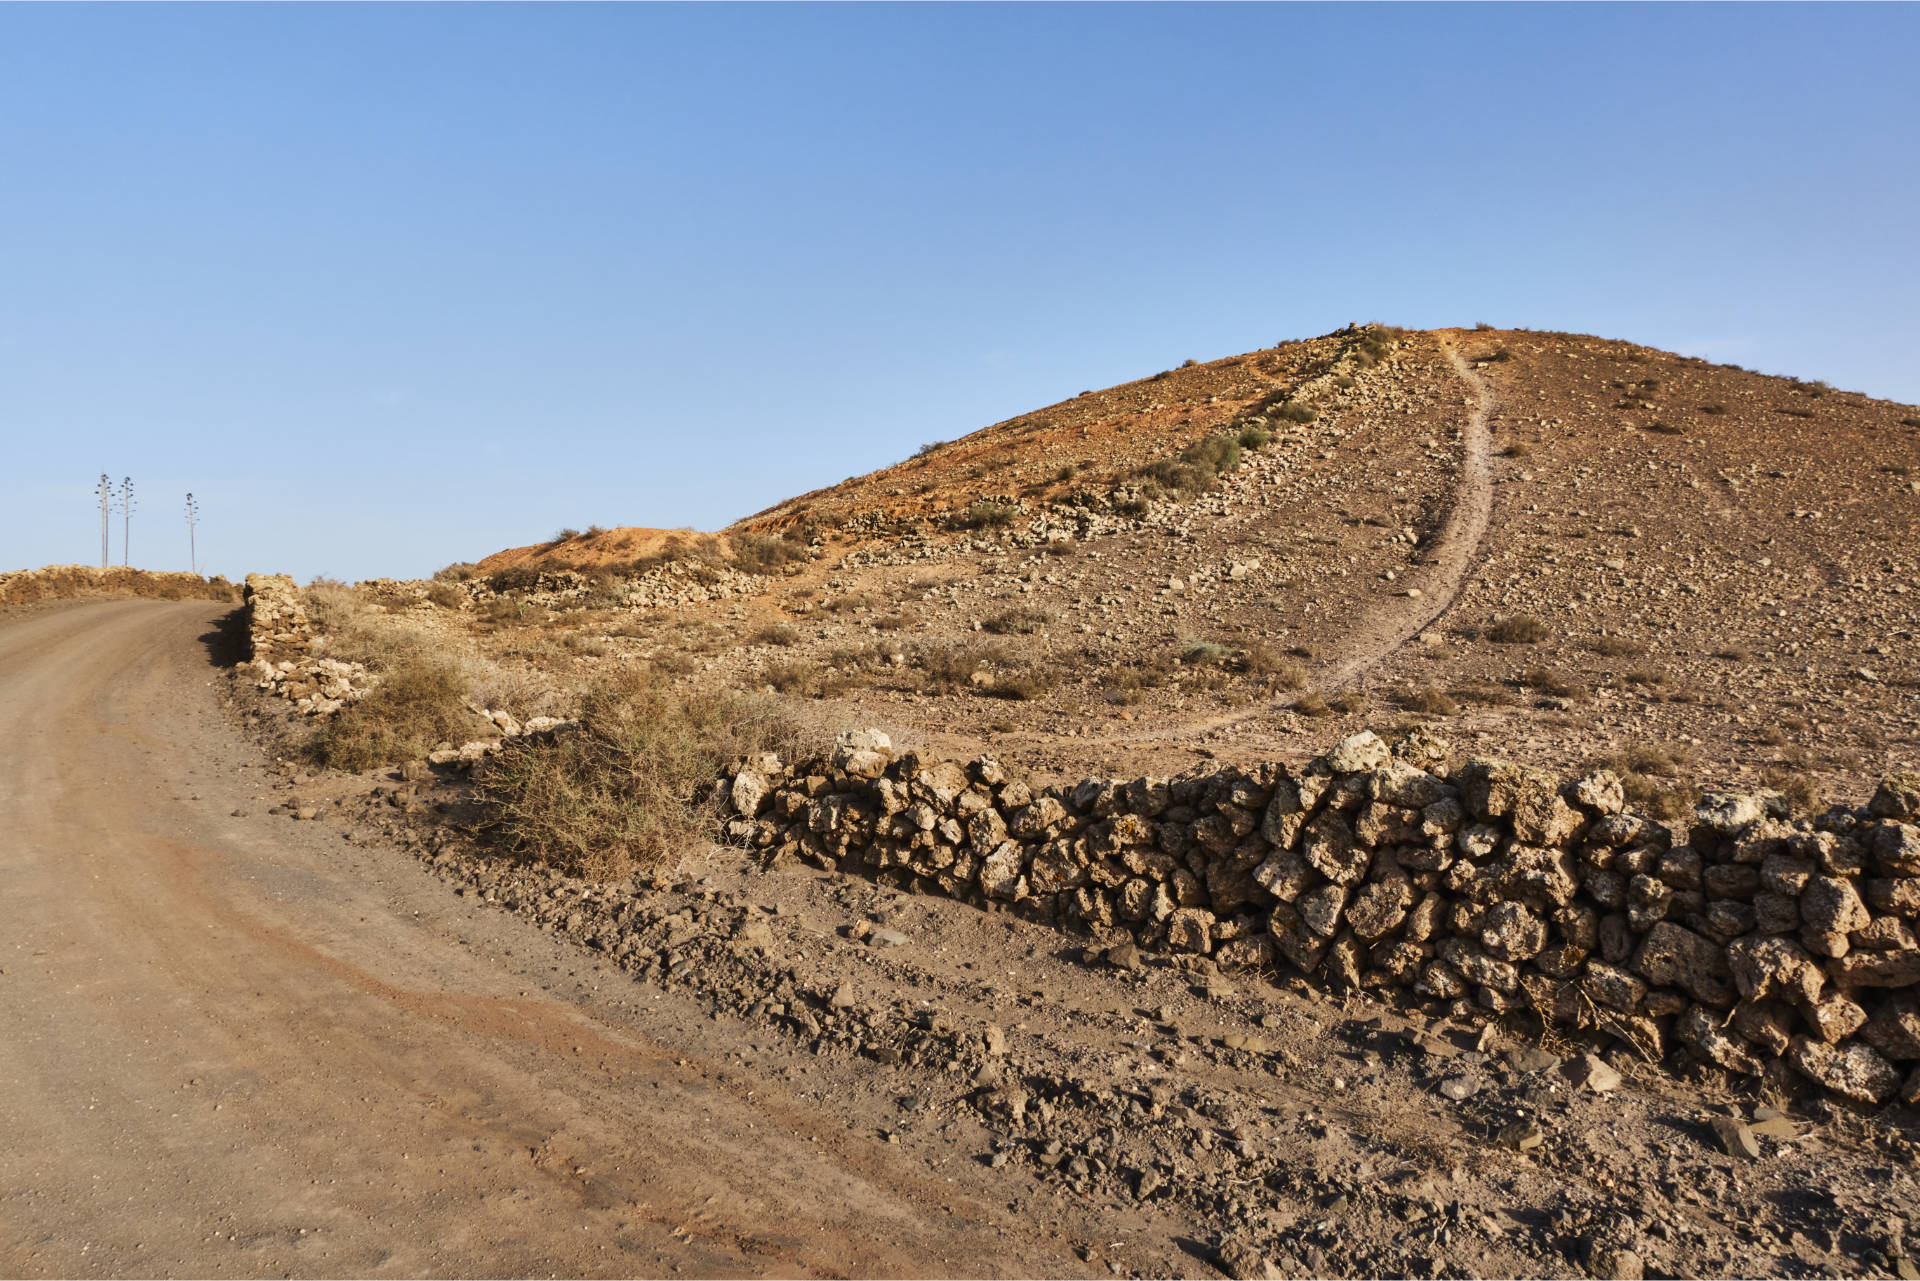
x,y
1089,442
1707,569
600,547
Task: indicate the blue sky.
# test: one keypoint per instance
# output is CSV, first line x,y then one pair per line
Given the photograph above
x,y
392,286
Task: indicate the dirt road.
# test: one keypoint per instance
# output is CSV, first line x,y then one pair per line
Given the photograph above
x,y
237,1045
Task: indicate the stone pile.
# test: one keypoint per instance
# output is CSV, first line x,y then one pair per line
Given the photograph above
x,y
1755,940
665,586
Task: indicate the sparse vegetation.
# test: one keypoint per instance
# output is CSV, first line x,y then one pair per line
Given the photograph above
x,y
1655,778
1295,412
1196,470
1429,702
988,514
1201,653
1616,647
419,702
766,553
623,790
1022,620
1517,629
774,634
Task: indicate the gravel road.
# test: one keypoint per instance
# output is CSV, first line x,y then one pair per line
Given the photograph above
x,y
235,1045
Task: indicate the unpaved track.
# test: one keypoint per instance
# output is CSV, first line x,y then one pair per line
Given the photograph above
x,y
245,1046
1455,548
1454,552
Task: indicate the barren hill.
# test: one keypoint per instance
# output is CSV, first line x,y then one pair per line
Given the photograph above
x,y
1118,638
1566,546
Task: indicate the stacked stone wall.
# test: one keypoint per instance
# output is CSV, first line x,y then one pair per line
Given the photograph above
x,y
281,647
1757,940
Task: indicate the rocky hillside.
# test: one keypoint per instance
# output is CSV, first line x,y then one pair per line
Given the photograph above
x,y
1570,550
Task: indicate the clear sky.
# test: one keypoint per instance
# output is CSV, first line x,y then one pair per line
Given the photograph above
x,y
392,286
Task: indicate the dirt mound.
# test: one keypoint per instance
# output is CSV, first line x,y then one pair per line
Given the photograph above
x,y
601,547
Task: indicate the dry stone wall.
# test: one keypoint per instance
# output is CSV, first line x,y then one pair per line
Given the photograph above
x,y
282,661
1757,940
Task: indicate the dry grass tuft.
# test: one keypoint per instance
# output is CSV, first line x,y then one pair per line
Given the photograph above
x,y
1517,629
624,790
419,702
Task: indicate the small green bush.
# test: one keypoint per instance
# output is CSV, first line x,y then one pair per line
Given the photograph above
x,y
1295,412
1254,437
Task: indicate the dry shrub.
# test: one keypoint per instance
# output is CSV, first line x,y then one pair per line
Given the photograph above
x,y
1734,654
1022,619
1429,702
765,553
1794,784
1547,680
1260,659
1311,704
774,634
1616,647
1024,686
1517,629
945,669
446,595
1350,702
624,789
1655,777
63,582
419,702
789,677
